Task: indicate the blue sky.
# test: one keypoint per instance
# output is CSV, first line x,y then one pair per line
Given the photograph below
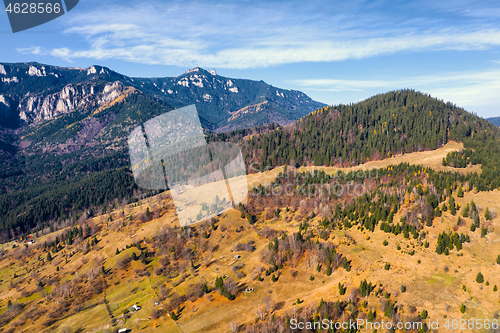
x,y
335,51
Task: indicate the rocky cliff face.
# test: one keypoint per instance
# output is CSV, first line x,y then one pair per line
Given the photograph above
x,y
5,111
34,93
37,107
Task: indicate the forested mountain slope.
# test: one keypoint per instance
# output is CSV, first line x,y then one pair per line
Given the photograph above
x,y
397,122
45,182
63,131
494,120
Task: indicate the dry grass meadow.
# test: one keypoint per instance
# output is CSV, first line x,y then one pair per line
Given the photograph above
x,y
434,282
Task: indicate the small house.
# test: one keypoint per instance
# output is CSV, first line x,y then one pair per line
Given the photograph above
x,y
134,308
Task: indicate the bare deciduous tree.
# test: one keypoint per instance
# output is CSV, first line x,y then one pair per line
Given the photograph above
x,y
260,313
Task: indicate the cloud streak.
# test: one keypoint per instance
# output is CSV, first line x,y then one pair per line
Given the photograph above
x,y
236,36
471,90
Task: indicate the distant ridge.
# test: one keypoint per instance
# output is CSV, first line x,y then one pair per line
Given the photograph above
x,y
35,93
494,120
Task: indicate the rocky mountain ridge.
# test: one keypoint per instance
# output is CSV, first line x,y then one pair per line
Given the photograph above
x,y
35,93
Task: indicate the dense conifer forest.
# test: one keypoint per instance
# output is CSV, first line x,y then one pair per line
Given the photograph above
x,y
43,188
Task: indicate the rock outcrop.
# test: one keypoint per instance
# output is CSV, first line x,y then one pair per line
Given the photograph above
x,y
37,108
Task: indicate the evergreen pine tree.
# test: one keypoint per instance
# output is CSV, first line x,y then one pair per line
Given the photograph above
x,y
487,215
451,203
371,316
465,212
341,289
438,212
473,227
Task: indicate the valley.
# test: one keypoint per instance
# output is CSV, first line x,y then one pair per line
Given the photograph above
x,y
381,210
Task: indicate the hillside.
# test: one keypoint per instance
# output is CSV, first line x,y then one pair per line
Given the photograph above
x,y
62,129
50,163
375,255
494,120
385,125
396,222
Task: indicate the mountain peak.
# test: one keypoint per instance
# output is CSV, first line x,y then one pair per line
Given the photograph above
x,y
200,70
195,70
35,96
96,69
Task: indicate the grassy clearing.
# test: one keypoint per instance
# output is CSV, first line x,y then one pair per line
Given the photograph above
x,y
434,282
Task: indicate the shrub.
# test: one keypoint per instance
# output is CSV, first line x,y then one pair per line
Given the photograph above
x,y
251,218
462,308
487,215
341,289
424,314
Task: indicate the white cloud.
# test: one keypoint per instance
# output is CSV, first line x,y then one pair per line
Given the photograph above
x,y
36,50
63,53
479,91
241,36
263,53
